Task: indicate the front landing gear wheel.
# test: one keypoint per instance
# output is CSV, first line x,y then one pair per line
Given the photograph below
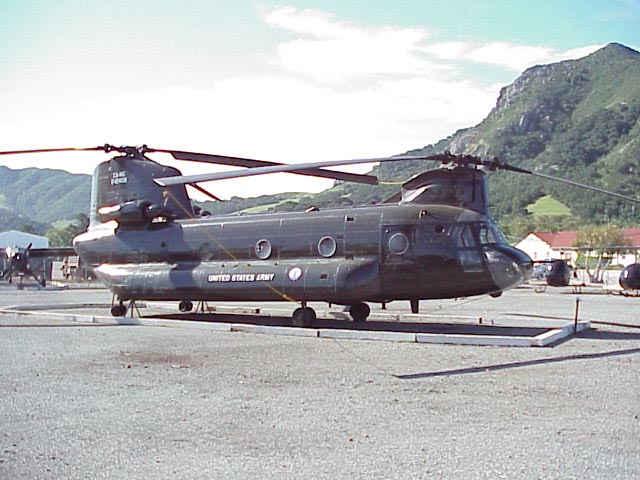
x,y
359,312
303,317
185,306
118,310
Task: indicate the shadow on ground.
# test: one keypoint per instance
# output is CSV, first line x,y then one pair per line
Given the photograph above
x,y
377,326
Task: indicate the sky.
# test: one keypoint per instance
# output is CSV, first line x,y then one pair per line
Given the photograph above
x,y
289,81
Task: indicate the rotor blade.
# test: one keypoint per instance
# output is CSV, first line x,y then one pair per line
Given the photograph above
x,y
49,150
206,192
295,168
52,252
252,163
569,182
588,187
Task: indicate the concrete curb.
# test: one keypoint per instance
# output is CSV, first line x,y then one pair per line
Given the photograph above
x,y
551,335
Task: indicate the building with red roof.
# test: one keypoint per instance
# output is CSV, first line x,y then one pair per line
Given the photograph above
x,y
561,246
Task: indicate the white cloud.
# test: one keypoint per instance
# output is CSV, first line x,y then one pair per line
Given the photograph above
x,y
309,22
329,49
512,57
338,90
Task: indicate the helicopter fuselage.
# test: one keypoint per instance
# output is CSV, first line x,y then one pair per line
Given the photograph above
x,y
376,253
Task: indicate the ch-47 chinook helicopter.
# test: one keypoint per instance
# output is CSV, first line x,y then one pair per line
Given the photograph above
x,y
433,240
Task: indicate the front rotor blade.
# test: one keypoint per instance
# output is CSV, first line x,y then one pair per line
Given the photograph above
x,y
587,187
278,168
510,168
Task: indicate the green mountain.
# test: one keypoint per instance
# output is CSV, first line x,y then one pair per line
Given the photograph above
x,y
33,198
577,119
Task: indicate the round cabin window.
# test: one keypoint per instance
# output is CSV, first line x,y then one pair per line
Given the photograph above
x,y
327,247
398,243
263,249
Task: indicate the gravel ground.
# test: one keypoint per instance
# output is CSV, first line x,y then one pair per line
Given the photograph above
x,y
139,402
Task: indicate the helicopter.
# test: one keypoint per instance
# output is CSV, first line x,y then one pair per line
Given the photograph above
x,y
630,278
434,239
556,273
17,261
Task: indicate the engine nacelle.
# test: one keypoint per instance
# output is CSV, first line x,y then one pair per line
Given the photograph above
x,y
137,213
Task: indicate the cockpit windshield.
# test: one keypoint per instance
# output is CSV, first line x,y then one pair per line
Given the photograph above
x,y
485,233
489,233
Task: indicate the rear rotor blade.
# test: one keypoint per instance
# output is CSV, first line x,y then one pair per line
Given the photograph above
x,y
206,192
253,163
50,150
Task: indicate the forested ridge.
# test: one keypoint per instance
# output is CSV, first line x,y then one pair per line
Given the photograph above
x,y
577,119
32,199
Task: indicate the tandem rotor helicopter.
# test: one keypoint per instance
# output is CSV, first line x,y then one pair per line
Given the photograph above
x,y
435,239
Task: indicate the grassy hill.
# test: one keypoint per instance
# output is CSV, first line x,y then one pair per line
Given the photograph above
x,y
548,206
32,198
578,119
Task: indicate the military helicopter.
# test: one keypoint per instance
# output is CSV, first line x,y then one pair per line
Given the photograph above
x,y
557,273
435,239
17,261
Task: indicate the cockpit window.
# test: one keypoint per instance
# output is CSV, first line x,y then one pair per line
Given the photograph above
x,y
464,236
489,233
485,234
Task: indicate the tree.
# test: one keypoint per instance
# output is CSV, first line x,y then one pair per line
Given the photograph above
x,y
29,228
62,236
602,243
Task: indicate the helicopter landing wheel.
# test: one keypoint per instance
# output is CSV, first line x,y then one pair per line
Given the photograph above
x,y
303,317
185,306
118,310
359,312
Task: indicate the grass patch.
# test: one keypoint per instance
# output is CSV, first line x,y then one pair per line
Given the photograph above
x,y
548,206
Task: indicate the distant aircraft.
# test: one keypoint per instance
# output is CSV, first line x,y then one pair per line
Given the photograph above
x,y
17,261
630,277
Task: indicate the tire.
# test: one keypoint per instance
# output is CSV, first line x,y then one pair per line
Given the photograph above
x,y
118,310
359,312
303,317
185,306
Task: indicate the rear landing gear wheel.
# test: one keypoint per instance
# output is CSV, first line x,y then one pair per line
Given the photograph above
x,y
303,317
359,312
118,310
185,306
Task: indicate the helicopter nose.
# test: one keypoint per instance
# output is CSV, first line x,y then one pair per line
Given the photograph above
x,y
509,267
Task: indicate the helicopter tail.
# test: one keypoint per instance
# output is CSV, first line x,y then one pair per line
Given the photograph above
x,y
123,189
